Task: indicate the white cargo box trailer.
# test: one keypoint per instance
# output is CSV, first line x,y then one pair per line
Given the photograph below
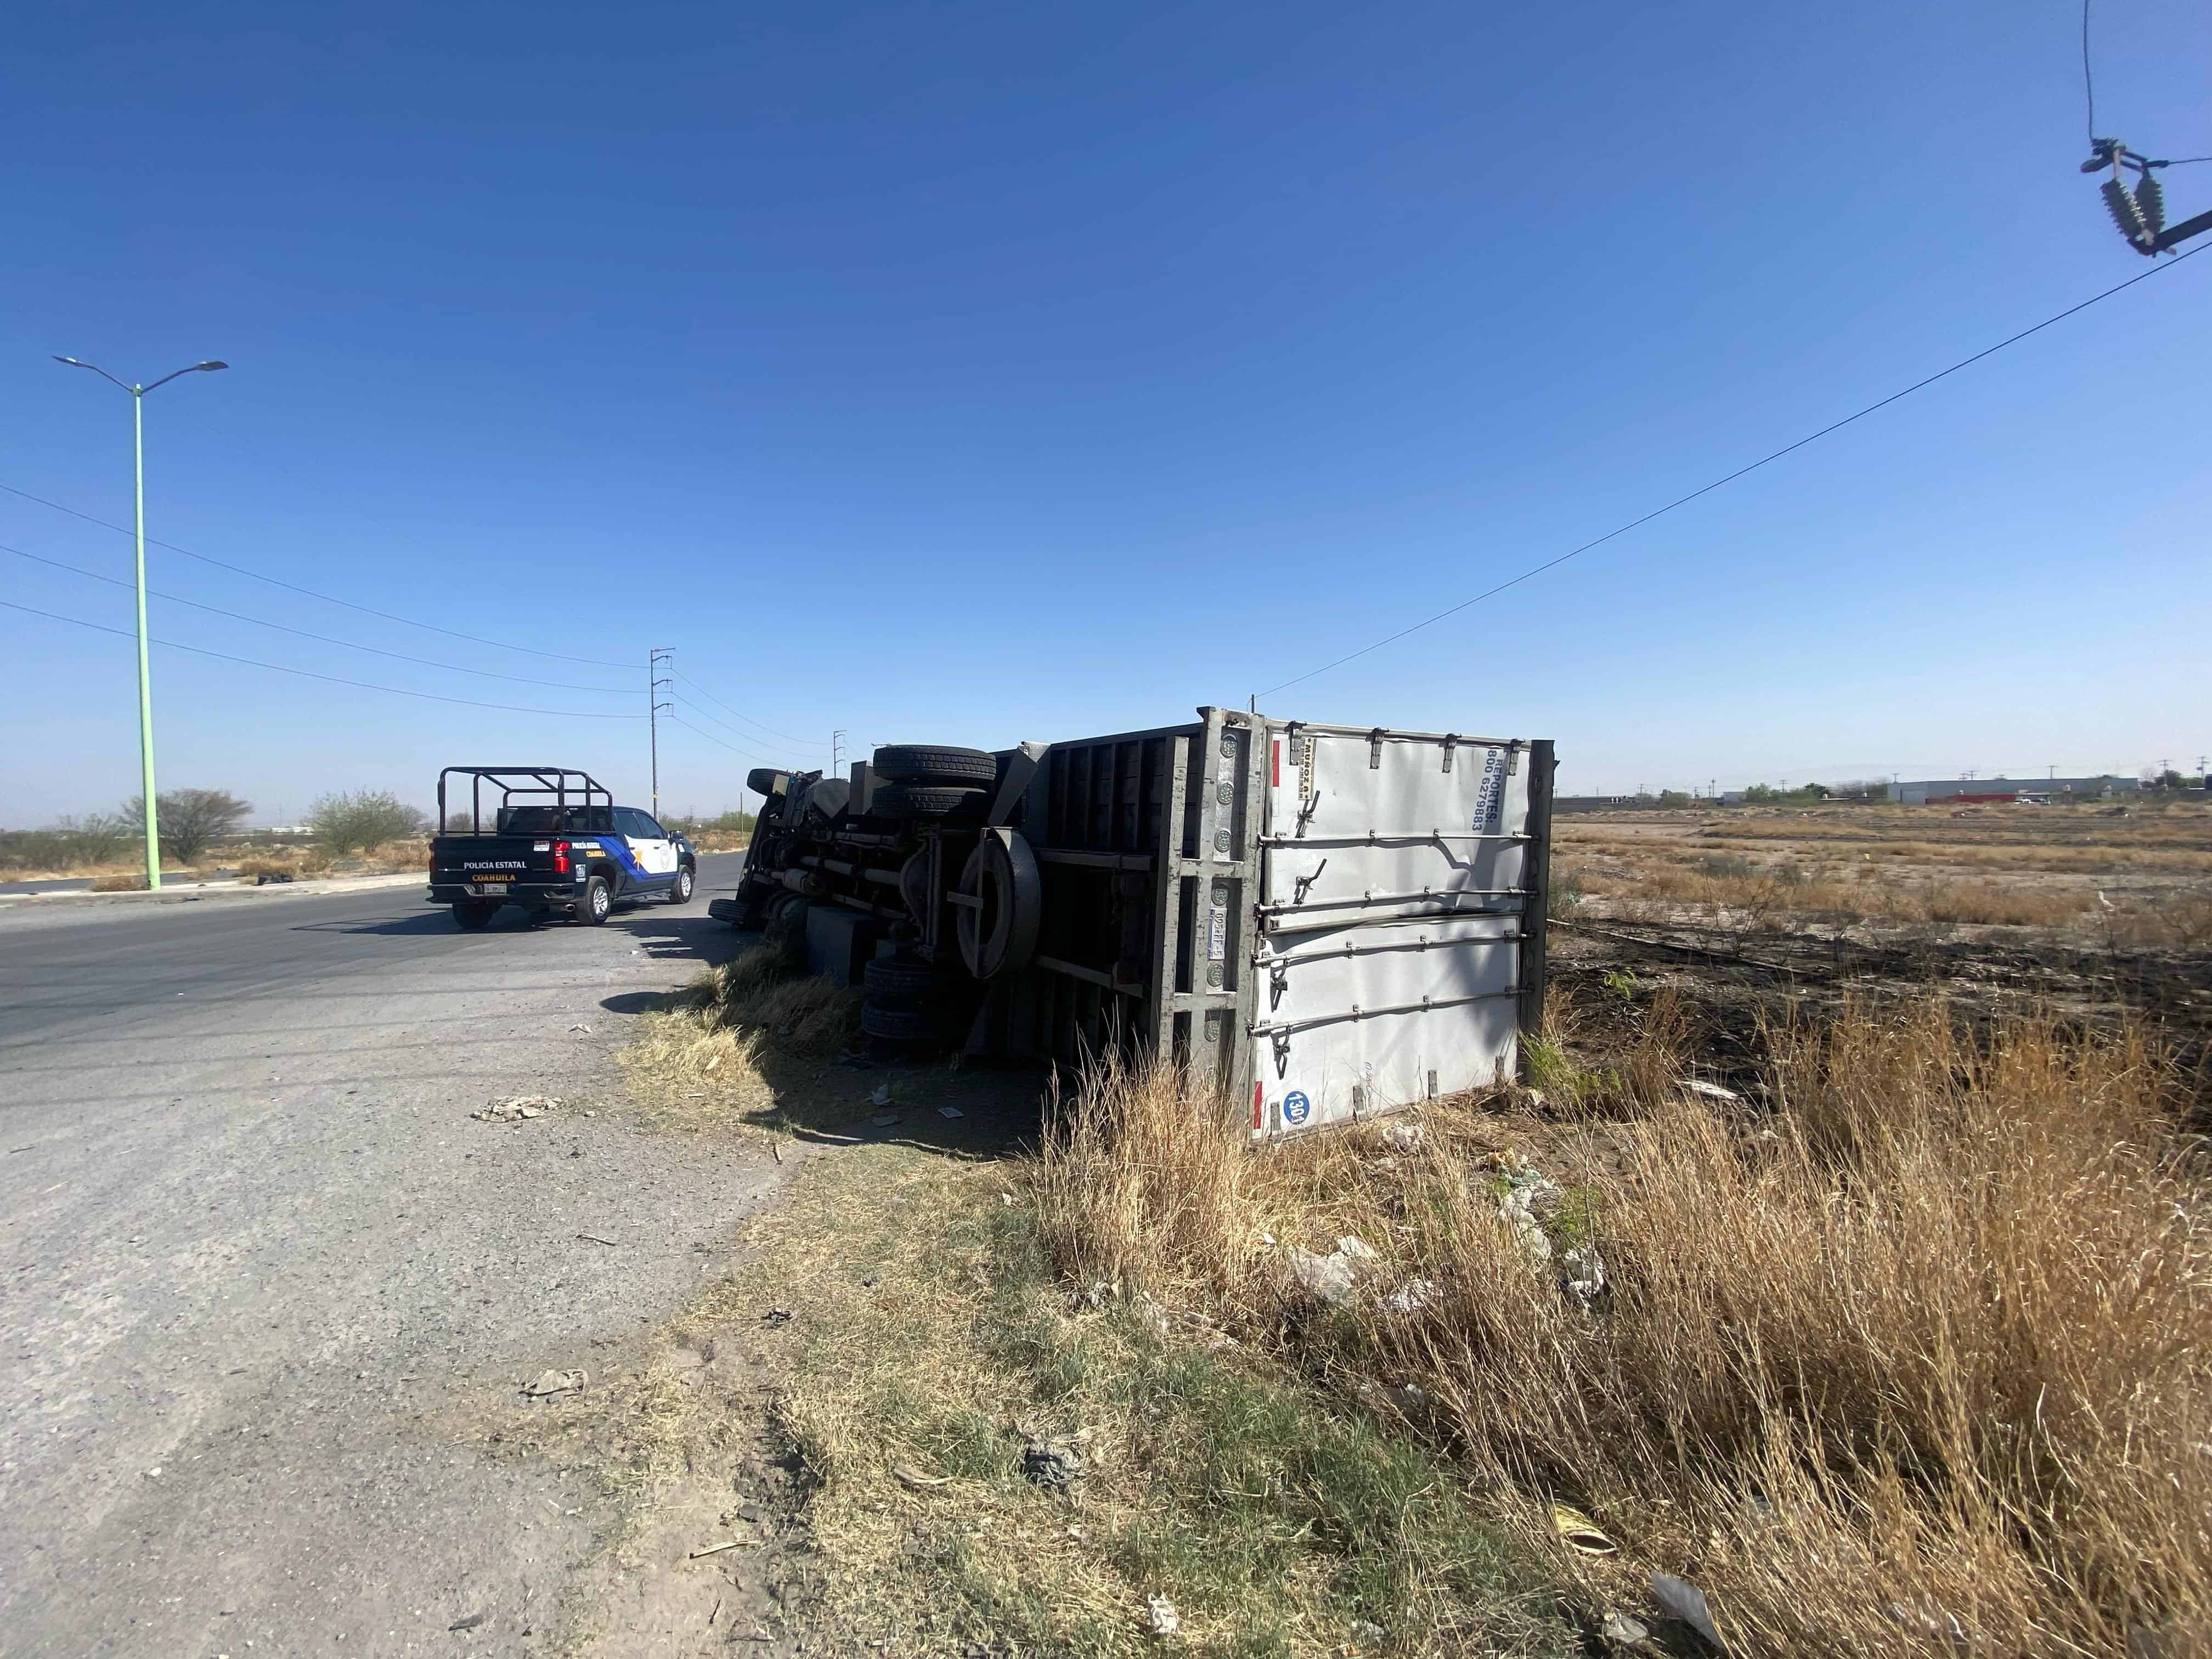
x,y
1330,922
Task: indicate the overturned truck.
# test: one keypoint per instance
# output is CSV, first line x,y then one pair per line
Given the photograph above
x,y
1328,921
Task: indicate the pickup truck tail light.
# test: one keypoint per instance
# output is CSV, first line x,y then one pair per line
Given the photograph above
x,y
560,858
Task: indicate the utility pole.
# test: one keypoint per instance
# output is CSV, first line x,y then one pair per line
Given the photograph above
x,y
655,659
836,745
145,682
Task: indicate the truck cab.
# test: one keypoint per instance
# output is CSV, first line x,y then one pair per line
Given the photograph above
x,y
551,840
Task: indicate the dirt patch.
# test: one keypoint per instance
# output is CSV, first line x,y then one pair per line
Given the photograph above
x,y
2098,919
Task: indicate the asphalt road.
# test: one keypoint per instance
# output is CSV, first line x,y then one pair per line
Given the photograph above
x,y
260,1272
59,884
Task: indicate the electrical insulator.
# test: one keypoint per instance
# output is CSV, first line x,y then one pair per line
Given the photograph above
x,y
2150,203
2127,217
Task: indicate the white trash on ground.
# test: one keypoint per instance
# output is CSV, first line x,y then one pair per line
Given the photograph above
x,y
516,1109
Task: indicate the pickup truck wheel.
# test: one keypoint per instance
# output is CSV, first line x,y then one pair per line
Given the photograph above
x,y
471,917
923,801
929,763
596,903
680,893
764,780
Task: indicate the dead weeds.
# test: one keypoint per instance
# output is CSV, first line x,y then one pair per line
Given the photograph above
x,y
1905,1354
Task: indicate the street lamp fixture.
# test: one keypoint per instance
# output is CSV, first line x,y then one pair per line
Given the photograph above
x,y
145,685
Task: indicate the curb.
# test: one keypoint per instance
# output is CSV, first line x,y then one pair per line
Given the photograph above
x,y
200,889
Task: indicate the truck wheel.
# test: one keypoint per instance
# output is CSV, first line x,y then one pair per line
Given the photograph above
x,y
928,762
894,984
902,1025
924,800
680,893
473,917
762,780
596,903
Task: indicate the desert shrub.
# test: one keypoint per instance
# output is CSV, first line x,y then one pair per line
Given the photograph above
x,y
355,822
190,821
1563,894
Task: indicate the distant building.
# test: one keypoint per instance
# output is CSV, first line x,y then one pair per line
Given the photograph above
x,y
1970,791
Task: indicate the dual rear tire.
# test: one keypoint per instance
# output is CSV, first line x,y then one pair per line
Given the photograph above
x,y
908,1002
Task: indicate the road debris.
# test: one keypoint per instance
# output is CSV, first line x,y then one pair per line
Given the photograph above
x,y
1528,1231
469,1623
586,1030
1161,1618
880,1095
1578,1532
909,1475
716,1549
1582,1274
884,1120
1332,1279
517,1108
712,1064
1411,1296
777,1316
950,1111
1698,1086
1683,1601
1622,1632
1055,1465
593,1238
1402,1137
552,1382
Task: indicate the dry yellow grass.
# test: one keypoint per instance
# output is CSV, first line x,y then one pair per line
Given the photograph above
x,y
710,1057
2141,882
1914,1361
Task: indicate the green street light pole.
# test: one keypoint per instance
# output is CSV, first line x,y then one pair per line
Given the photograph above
x,y
145,681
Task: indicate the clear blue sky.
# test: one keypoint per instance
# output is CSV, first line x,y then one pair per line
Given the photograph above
x,y
974,373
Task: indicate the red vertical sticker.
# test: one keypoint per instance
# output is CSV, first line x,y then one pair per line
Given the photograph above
x,y
1256,1119
1275,760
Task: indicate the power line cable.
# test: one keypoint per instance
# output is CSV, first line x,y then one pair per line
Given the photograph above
x,y
370,611
2088,86
1683,500
309,673
2089,92
748,719
325,639
711,737
727,727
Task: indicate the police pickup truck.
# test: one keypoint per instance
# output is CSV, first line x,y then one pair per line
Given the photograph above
x,y
554,842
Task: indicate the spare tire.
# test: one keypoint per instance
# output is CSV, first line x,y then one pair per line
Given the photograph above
x,y
923,801
927,763
765,780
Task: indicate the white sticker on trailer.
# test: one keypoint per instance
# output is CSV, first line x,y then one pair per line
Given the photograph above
x,y
1216,934
1490,799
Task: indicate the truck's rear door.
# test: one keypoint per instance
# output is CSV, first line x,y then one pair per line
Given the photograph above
x,y
1396,877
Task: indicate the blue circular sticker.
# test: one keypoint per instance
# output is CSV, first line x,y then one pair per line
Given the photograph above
x,y
1296,1106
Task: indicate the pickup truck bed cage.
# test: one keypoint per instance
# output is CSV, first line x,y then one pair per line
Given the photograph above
x,y
560,788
